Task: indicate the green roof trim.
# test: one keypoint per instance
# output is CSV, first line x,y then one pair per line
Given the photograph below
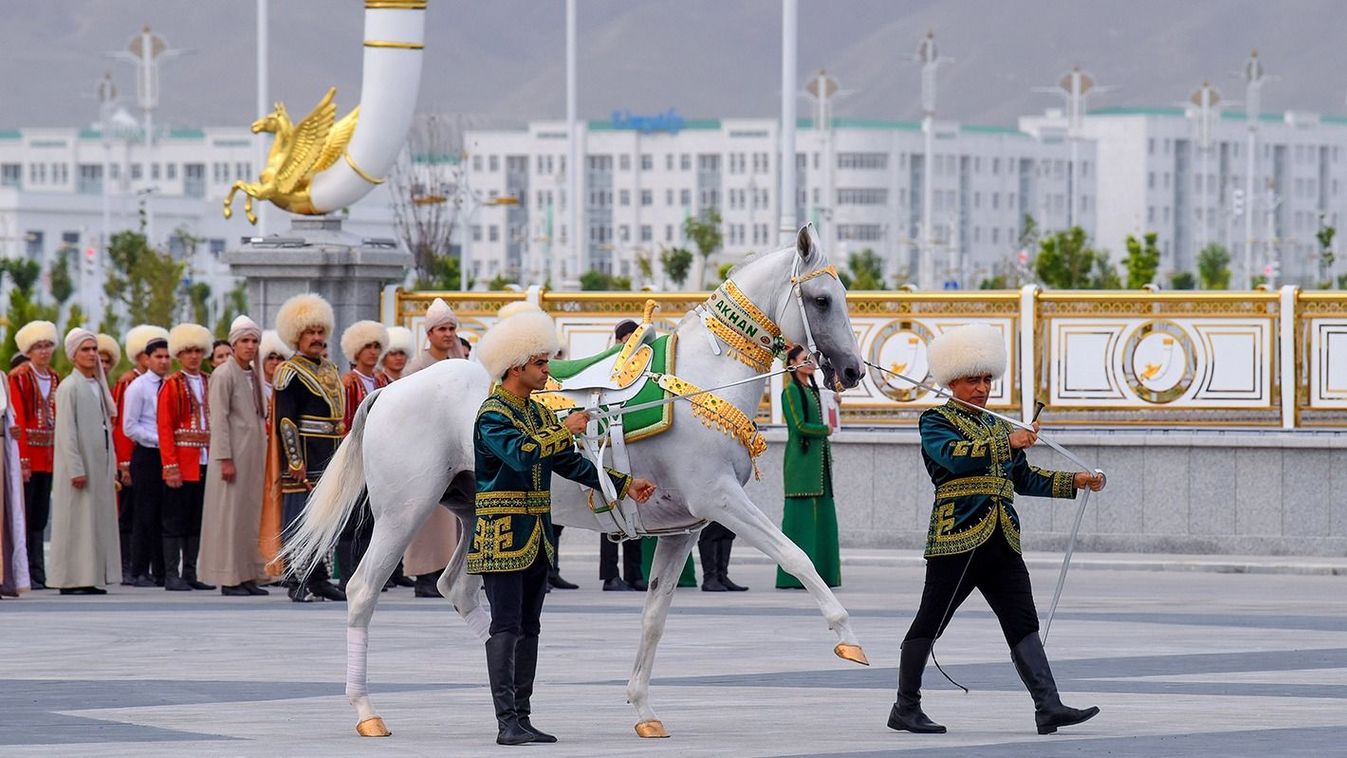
x,y
185,132
92,134
1178,112
984,129
10,134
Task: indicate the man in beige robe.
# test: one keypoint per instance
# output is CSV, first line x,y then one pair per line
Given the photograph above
x,y
433,545
231,515
84,541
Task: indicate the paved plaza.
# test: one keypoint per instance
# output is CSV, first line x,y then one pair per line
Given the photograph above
x,y
1182,662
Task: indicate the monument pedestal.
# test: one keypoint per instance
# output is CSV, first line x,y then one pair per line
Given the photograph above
x,y
317,256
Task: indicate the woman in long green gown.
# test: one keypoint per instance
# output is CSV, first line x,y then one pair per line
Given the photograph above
x,y
809,519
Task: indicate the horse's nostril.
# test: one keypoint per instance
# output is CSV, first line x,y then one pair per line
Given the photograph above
x,y
851,373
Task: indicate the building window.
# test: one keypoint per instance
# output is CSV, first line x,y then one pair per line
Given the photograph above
x,y
647,233
624,233
668,162
647,197
668,232
476,232
11,174
863,161
493,163
477,164
685,162
860,232
864,196
647,162
685,198
493,233
624,162
217,246
624,197
136,172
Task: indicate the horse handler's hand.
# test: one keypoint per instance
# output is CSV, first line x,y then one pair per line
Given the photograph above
x,y
1086,479
641,490
1023,438
577,422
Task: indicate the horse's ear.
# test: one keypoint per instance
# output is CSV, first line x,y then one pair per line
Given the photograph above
x,y
806,243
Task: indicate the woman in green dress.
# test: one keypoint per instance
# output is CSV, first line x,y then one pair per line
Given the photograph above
x,y
810,519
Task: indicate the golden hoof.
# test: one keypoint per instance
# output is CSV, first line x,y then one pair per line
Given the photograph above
x,y
851,653
372,727
651,730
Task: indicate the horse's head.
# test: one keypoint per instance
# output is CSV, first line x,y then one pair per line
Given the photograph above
x,y
820,312
272,122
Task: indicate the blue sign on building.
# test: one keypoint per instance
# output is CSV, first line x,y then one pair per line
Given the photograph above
x,y
668,121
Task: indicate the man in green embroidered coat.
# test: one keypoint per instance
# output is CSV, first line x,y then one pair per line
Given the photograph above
x,y
978,464
518,445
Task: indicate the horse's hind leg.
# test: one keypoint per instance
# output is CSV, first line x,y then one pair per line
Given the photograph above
x,y
391,537
738,512
670,554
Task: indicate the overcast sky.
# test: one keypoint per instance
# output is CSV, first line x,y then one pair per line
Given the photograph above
x,y
504,59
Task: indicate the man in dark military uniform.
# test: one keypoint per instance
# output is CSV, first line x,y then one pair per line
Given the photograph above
x,y
519,444
978,464
309,419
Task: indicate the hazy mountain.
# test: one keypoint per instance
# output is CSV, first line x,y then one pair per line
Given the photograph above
x,y
505,58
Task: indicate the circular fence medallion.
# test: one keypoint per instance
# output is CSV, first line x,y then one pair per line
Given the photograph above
x,y
900,347
1159,361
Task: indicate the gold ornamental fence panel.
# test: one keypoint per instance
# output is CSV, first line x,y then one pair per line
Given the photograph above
x,y
1262,359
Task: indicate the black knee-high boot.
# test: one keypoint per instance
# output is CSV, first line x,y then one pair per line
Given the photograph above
x,y
37,561
906,714
1049,713
173,581
192,546
500,672
346,558
525,668
709,551
724,545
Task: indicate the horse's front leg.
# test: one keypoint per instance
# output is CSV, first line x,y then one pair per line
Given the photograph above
x,y
735,510
670,554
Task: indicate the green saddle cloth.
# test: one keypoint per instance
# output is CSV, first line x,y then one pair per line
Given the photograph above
x,y
645,423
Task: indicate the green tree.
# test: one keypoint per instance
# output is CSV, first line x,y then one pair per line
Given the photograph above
x,y
143,280
1029,233
865,271
645,266
704,231
23,307
236,302
1213,267
1067,260
498,282
198,299
594,280
723,272
995,282
1326,255
442,274
1143,259
61,283
1183,280
677,261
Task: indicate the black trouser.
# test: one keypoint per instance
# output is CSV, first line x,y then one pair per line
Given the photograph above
x,y
516,597
292,509
714,544
995,570
354,539
555,568
37,511
126,523
147,546
182,523
631,559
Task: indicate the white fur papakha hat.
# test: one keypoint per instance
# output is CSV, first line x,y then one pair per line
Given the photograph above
x,y
108,344
271,343
513,341
968,350
184,336
400,340
516,308
34,332
302,312
360,334
137,337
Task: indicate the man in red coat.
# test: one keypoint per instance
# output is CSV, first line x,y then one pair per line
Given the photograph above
x,y
184,441
363,343
32,390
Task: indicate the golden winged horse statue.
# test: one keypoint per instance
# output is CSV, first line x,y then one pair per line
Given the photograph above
x,y
297,154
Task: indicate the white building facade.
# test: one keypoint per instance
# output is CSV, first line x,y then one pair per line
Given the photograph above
x,y
860,182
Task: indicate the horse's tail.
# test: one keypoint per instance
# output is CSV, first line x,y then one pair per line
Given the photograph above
x,y
339,490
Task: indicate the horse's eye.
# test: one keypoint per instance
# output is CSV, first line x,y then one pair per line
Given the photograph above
x,y
821,301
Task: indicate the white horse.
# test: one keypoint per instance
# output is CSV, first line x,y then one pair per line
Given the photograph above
x,y
410,446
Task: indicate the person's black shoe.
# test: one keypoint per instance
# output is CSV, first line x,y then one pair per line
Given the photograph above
x,y
555,580
144,581
731,586
235,590
514,734
197,585
299,594
253,589
713,584
158,581
616,585
176,584
425,586
128,580
907,716
538,734
327,591
36,585
83,591
639,585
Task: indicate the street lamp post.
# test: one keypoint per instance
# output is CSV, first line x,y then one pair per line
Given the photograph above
x,y
1205,100
1254,77
790,12
929,58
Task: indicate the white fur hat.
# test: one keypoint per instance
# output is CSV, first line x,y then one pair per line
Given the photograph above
x,y
438,313
360,334
184,336
139,336
968,350
34,332
400,340
303,312
515,308
271,343
108,344
513,341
